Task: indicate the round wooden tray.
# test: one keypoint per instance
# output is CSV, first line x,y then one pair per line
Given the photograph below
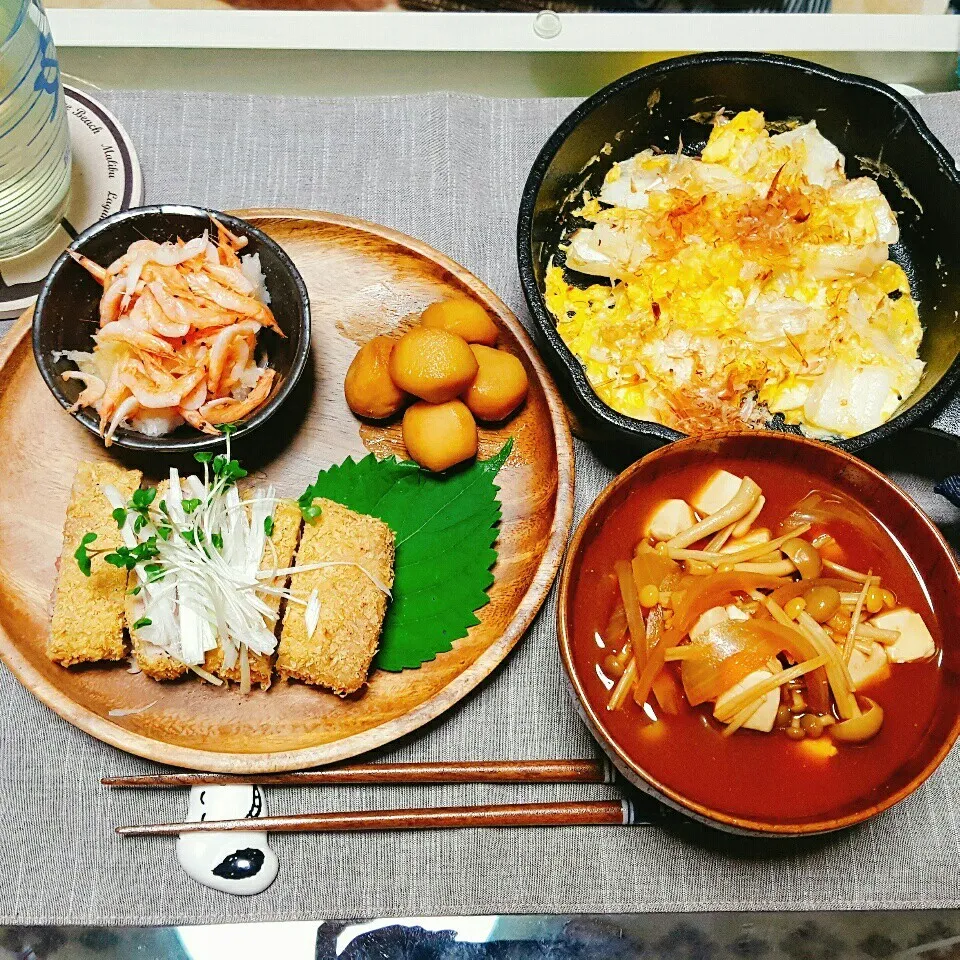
x,y
363,279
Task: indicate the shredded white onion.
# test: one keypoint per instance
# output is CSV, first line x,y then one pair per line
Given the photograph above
x,y
323,564
206,675
312,615
132,710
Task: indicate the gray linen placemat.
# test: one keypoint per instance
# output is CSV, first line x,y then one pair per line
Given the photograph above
x,y
447,169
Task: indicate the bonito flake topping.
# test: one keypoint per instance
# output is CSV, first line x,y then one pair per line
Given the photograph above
x,y
751,281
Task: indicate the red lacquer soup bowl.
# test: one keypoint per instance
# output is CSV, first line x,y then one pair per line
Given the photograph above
x,y
754,782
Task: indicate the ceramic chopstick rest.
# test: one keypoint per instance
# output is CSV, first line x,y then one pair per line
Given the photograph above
x,y
237,863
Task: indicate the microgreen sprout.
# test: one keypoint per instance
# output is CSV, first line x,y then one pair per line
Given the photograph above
x,y
82,555
308,508
130,557
227,470
140,505
142,499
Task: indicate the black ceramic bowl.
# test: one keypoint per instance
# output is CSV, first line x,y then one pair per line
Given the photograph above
x,y
66,314
656,106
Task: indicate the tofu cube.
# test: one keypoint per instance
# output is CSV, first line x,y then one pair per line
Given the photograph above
x,y
752,539
707,621
716,493
865,668
764,717
915,642
669,519
714,616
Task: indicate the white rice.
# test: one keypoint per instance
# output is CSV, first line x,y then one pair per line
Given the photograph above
x,y
250,266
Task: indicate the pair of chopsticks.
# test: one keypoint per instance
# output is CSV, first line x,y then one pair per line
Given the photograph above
x,y
559,814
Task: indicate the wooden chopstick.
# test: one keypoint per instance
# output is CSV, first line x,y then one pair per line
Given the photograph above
x,y
474,771
571,813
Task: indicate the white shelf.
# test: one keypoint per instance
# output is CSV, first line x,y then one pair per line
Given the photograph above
x,y
501,32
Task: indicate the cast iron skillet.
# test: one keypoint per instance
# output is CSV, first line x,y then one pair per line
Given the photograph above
x,y
655,106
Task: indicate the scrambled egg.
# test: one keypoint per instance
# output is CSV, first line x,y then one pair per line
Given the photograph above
x,y
752,281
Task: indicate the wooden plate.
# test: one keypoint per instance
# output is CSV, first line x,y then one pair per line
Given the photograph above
x,y
363,279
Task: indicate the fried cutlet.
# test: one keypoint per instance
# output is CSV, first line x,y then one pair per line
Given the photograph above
x,y
286,532
88,611
154,661
352,607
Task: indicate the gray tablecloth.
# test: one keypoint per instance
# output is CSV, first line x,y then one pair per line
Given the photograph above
x,y
447,169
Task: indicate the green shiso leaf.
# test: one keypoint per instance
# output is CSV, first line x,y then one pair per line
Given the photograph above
x,y
445,527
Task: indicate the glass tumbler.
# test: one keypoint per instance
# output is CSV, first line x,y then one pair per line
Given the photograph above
x,y
34,139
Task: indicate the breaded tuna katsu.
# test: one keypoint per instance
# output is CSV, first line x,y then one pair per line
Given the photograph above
x,y
277,555
154,661
352,606
331,606
88,611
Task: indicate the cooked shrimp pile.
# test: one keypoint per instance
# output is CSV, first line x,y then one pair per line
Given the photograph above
x,y
177,338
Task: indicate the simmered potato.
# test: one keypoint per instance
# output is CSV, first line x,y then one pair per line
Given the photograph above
x,y
439,435
434,365
464,317
369,390
500,385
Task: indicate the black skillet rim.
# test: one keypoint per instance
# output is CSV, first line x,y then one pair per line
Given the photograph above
x,y
572,370
168,444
